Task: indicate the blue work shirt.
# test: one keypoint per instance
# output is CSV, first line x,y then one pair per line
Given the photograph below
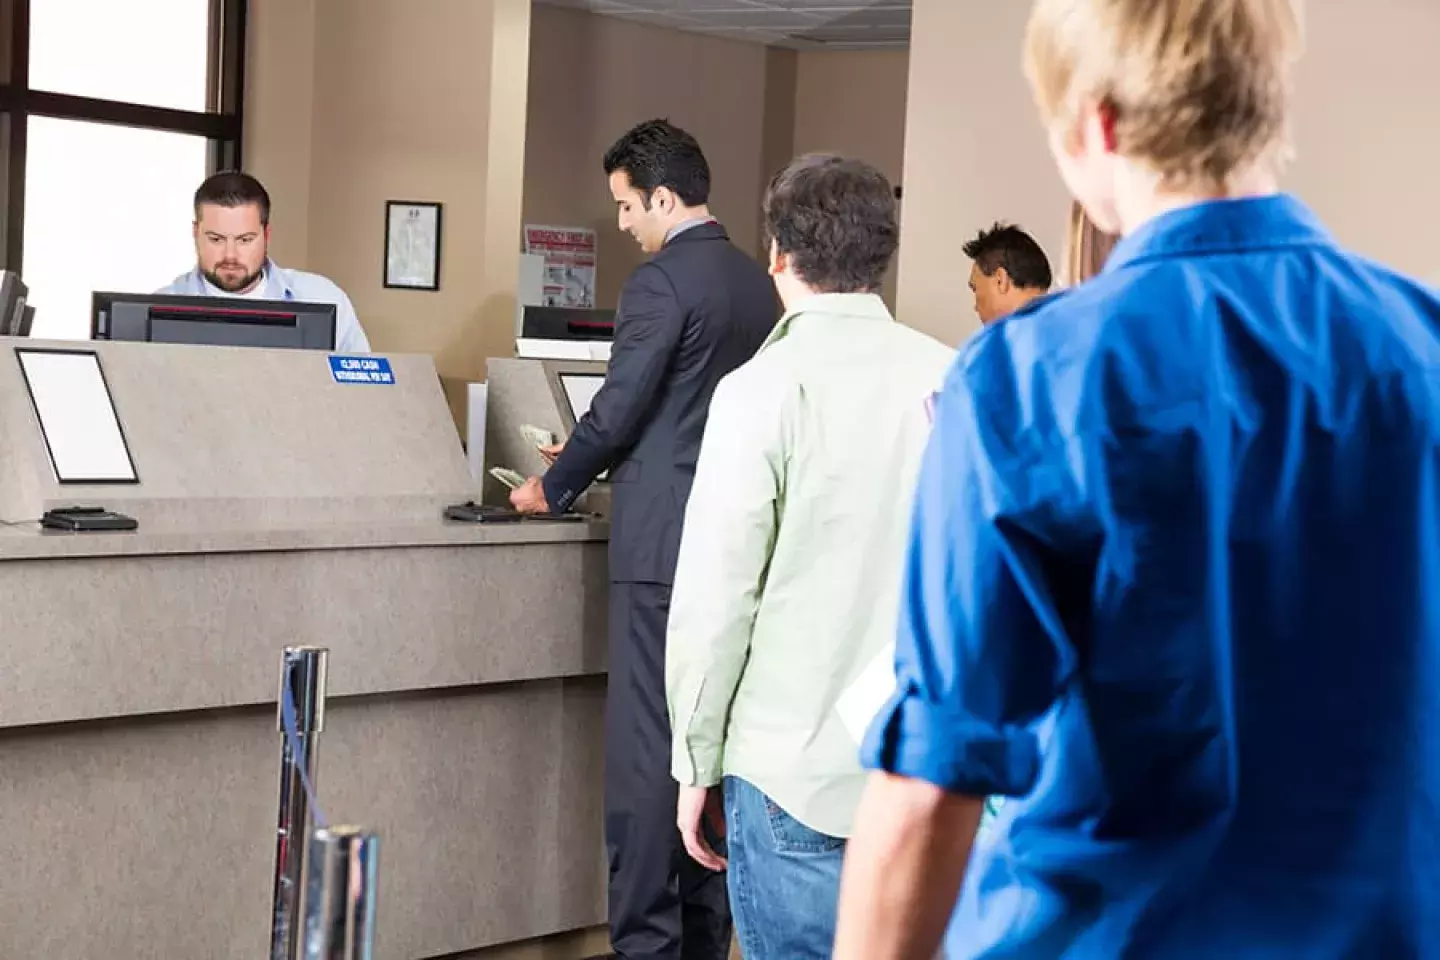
x,y
1174,586
282,284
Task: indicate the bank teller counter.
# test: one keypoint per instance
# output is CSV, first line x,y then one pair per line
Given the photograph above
x,y
282,497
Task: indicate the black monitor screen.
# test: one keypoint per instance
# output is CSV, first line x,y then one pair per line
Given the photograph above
x,y
214,321
567,323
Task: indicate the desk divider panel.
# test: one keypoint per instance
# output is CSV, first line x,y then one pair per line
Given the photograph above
x,y
224,436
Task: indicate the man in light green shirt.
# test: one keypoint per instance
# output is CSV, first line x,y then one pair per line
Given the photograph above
x,y
790,560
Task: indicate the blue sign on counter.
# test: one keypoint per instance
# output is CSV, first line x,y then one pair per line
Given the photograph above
x,y
362,370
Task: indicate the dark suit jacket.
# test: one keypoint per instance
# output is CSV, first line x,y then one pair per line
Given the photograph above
x,y
697,310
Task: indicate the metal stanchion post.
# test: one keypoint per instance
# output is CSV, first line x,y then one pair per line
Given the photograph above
x,y
341,882
302,681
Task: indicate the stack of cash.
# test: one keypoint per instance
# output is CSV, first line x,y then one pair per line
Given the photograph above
x,y
536,437
511,478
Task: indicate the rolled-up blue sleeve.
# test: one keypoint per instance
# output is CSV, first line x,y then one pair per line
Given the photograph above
x,y
981,651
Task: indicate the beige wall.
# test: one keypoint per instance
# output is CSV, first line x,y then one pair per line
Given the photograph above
x,y
782,80
279,109
351,104
1365,127
853,103
594,77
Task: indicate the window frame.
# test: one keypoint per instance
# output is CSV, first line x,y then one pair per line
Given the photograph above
x,y
221,123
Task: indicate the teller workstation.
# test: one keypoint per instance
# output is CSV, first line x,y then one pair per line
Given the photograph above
x,y
174,515
550,395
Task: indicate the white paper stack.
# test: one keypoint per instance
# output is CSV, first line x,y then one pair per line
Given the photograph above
x,y
533,348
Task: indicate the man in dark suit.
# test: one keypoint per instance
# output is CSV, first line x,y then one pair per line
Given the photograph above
x,y
697,310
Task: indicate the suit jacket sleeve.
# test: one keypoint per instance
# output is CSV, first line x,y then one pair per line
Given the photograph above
x,y
647,331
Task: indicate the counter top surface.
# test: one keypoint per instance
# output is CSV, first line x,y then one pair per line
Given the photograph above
x,y
32,542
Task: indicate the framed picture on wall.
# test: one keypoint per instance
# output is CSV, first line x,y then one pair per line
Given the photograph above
x,y
412,245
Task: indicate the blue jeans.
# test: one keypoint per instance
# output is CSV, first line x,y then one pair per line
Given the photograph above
x,y
784,878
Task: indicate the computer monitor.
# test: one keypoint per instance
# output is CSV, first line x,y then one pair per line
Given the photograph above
x,y
13,310
566,323
573,385
580,390
214,321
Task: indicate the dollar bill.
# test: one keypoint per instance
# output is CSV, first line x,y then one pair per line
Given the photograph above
x,y
536,436
510,478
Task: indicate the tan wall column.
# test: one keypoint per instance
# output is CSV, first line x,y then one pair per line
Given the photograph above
x,y
279,109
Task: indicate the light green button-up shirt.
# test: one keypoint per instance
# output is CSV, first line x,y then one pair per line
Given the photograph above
x,y
789,573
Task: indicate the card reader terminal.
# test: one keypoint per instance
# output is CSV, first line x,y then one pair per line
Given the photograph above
x,y
473,512
85,519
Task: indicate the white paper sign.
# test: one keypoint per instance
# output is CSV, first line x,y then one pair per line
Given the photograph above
x,y
570,258
412,245
77,417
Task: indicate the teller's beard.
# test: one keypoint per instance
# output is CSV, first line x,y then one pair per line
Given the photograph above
x,y
233,286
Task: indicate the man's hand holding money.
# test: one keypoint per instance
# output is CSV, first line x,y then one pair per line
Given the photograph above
x,y
529,497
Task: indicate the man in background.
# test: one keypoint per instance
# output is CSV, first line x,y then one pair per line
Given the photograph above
x,y
1172,578
789,573
1009,271
697,310
232,241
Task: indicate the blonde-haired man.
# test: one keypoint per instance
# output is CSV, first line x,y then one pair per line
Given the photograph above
x,y
1174,575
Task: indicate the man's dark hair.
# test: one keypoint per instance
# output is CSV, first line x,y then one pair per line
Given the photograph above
x,y
233,189
1010,247
656,154
835,218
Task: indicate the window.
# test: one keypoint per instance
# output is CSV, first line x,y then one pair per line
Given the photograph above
x,y
154,52
111,113
106,208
